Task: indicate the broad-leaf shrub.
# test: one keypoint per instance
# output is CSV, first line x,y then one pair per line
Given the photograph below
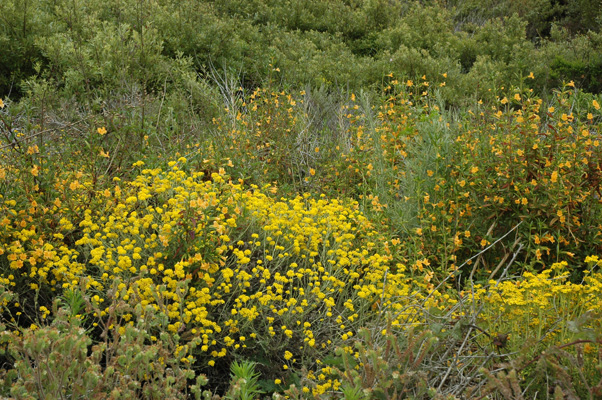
x,y
460,182
91,50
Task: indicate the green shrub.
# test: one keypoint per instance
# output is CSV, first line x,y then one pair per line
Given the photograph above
x,y
60,359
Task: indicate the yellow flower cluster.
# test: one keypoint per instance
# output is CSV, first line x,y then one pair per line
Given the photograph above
x,y
33,257
541,304
230,267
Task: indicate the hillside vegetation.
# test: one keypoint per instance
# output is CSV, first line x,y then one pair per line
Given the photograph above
x,y
348,199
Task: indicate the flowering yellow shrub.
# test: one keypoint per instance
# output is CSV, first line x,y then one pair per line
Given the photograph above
x,y
542,305
266,133
236,272
450,184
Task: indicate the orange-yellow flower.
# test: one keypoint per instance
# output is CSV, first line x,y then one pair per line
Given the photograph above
x,y
33,149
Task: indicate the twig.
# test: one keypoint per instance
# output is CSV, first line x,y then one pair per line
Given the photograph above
x,y
451,365
113,157
559,347
520,247
504,259
488,247
471,258
474,267
15,142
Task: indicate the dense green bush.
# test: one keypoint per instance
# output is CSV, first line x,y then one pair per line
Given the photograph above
x,y
90,49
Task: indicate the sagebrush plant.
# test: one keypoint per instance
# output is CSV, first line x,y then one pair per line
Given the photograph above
x,y
387,369
399,200
68,356
455,353
92,50
429,233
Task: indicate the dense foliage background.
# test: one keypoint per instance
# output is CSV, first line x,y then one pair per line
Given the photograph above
x,y
315,199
